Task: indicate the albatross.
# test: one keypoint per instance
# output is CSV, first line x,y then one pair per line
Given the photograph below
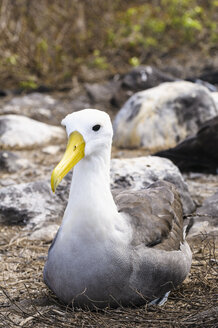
x,y
126,250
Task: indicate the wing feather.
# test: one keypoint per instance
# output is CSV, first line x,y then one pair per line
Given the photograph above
x,y
155,215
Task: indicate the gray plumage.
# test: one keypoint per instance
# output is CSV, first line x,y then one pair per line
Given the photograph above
x,y
104,253
156,260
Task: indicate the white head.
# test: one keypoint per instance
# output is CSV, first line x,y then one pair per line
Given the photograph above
x,y
89,134
95,127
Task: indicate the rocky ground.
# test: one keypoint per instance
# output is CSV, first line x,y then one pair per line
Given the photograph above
x,y
27,228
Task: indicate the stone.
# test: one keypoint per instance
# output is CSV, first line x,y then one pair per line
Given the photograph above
x,y
214,95
31,204
138,173
6,182
11,162
34,205
80,102
46,233
205,220
20,132
208,85
41,107
139,78
210,207
201,227
197,153
145,77
30,105
51,150
201,186
160,117
101,93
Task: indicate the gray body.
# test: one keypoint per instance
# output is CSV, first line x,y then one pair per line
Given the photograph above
x,y
154,260
122,251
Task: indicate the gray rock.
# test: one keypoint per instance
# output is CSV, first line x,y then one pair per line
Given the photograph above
x,y
46,233
203,226
210,207
145,77
51,150
79,102
205,220
138,173
34,99
34,105
11,162
208,85
139,78
160,117
30,203
214,95
34,205
20,132
6,182
40,107
101,93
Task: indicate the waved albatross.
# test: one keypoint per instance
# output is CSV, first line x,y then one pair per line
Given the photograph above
x,y
197,153
128,251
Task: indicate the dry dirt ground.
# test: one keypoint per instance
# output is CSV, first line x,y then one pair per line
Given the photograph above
x,y
25,301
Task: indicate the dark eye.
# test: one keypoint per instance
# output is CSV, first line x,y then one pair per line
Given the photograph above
x,y
96,127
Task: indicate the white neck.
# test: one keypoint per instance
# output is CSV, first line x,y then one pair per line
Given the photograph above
x,y
91,211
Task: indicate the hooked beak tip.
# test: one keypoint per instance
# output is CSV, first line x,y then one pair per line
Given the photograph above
x,y
73,154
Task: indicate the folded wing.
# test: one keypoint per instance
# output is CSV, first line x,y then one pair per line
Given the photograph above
x,y
155,215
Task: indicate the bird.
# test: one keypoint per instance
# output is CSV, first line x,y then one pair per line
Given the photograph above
x,y
196,153
126,250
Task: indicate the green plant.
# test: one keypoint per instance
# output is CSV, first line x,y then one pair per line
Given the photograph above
x,y
52,40
98,61
28,85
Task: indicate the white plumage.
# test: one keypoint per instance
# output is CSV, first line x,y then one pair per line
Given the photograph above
x,y
101,256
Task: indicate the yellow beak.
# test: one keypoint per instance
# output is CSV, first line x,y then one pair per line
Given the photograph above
x,y
73,154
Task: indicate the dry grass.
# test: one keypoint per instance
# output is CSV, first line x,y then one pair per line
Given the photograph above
x,y
26,302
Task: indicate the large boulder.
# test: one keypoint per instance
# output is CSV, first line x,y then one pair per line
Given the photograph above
x,y
20,132
139,173
33,204
160,117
